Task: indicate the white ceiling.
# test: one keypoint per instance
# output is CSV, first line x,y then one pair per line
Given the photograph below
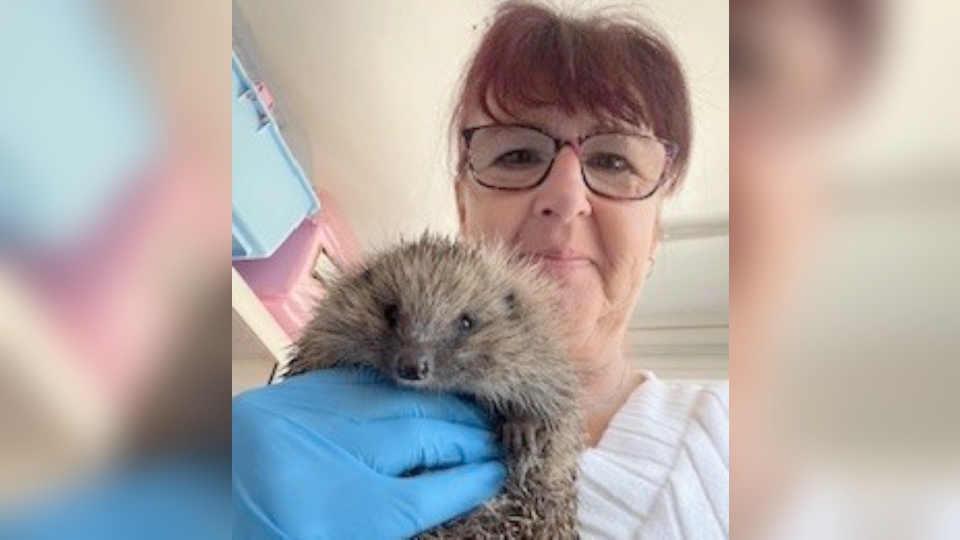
x,y
367,88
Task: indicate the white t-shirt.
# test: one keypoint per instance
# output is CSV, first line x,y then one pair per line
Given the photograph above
x,y
662,467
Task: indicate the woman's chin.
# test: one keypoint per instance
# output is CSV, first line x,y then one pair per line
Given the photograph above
x,y
576,314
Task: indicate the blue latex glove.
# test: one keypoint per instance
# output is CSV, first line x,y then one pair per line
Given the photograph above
x,y
323,455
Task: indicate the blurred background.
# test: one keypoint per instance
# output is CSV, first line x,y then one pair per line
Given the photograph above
x,y
844,293
114,181
362,93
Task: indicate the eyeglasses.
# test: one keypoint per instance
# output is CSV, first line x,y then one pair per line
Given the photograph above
x,y
624,166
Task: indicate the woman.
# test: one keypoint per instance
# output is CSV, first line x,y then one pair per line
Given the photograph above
x,y
571,133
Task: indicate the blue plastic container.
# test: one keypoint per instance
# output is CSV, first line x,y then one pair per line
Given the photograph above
x,y
271,193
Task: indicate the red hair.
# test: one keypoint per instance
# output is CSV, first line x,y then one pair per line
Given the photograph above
x,y
614,69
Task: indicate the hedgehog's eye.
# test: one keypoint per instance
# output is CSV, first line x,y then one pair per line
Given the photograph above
x,y
465,323
392,315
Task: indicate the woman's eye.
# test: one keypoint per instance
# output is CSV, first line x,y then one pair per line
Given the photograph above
x,y
520,157
612,163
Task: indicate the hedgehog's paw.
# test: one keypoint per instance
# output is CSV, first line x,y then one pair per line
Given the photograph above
x,y
522,437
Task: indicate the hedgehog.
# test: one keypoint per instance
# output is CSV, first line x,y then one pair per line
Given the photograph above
x,y
446,316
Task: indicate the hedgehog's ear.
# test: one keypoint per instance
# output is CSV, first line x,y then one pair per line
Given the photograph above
x,y
510,300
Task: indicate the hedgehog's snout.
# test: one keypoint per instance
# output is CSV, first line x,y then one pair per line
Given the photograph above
x,y
413,366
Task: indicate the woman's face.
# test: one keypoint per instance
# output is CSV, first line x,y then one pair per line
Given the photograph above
x,y
597,249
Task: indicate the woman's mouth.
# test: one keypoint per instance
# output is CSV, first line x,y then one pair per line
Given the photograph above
x,y
558,263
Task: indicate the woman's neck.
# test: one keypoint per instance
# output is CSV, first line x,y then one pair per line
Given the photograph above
x,y
606,381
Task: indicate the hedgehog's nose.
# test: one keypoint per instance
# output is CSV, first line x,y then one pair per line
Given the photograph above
x,y
413,367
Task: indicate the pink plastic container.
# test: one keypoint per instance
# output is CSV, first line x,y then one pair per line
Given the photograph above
x,y
288,282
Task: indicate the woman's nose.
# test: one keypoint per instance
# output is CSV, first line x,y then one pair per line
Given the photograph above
x,y
563,193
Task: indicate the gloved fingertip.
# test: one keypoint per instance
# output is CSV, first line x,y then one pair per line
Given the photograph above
x,y
491,474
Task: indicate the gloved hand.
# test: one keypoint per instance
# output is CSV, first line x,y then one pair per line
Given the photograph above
x,y
324,455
